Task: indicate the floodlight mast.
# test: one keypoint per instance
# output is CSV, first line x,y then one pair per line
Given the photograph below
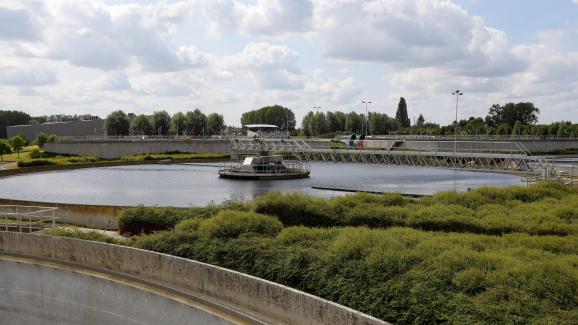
x,y
366,116
456,93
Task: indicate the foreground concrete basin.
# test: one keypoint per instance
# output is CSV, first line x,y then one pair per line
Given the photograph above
x,y
35,292
53,280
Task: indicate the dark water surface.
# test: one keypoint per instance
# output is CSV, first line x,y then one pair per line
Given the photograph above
x,y
197,184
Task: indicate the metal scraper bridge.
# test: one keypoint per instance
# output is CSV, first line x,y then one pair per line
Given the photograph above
x,y
483,155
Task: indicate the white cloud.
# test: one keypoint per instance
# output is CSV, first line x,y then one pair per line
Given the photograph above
x,y
17,23
107,37
550,81
272,66
343,91
265,17
113,81
26,74
166,85
413,33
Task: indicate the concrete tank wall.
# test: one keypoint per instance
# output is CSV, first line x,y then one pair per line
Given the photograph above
x,y
247,293
84,215
36,293
118,149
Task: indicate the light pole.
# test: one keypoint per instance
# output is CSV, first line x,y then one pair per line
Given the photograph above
x,y
366,116
317,118
456,93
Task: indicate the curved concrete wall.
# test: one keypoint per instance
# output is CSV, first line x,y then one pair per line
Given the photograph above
x,y
263,299
36,293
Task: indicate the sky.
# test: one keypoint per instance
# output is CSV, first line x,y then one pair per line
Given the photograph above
x,y
231,56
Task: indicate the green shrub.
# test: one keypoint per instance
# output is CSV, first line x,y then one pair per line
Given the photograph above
x,y
296,209
145,220
36,162
141,219
376,216
231,224
445,218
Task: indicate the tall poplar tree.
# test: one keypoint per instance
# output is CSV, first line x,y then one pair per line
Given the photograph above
x,y
401,114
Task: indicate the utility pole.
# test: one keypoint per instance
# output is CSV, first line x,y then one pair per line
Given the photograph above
x,y
317,118
366,116
456,93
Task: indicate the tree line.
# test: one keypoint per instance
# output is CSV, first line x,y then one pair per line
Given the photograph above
x,y
194,123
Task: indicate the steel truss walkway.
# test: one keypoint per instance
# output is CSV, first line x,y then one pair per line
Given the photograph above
x,y
509,156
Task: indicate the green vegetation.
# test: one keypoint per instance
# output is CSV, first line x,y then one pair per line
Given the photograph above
x,y
491,256
4,149
144,220
175,155
18,142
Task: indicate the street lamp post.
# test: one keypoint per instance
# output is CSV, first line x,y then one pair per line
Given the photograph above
x,y
366,116
317,118
456,93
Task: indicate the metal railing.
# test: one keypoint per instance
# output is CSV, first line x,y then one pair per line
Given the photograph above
x,y
26,218
466,137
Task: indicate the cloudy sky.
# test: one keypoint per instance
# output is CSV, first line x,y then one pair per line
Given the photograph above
x,y
230,56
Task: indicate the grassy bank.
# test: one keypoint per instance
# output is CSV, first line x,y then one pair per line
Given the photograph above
x,y
507,255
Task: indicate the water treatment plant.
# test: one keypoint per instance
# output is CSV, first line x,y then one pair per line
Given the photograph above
x,y
46,278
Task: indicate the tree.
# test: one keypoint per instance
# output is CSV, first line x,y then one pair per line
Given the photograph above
x,y
420,120
307,124
196,122
41,139
215,123
161,122
141,125
4,149
275,115
475,126
9,118
503,129
117,123
353,122
178,123
18,142
517,129
401,114
526,113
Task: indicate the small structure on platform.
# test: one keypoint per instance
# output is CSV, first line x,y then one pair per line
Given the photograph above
x,y
265,166
265,131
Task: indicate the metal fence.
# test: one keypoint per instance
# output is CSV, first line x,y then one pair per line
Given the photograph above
x,y
23,218
467,137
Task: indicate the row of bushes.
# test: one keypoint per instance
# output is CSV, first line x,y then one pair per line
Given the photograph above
x,y
57,161
144,220
174,155
545,209
400,275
